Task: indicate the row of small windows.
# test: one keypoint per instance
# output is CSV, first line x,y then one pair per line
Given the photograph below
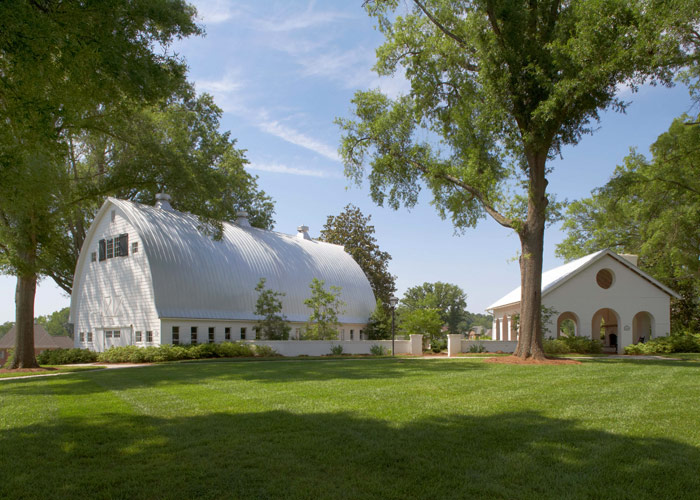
x,y
138,336
114,247
194,335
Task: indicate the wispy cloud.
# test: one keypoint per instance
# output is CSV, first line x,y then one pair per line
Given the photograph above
x,y
274,127
226,90
214,11
300,21
278,168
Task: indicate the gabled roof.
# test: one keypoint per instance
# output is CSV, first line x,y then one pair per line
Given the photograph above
x,y
42,339
554,278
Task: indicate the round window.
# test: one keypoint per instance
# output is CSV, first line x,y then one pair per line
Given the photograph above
x,y
605,278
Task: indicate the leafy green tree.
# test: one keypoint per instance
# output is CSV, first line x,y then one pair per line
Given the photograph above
x,y
650,208
5,327
379,324
477,319
325,307
497,88
353,230
68,66
426,322
174,146
448,299
56,323
273,324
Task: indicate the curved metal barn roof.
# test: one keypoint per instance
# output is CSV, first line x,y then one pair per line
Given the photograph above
x,y
195,276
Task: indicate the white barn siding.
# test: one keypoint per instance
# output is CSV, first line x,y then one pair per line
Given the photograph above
x,y
114,293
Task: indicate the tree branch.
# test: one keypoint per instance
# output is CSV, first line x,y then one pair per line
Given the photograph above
x,y
447,32
497,216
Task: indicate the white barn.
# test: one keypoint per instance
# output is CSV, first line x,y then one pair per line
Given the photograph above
x,y
148,275
605,295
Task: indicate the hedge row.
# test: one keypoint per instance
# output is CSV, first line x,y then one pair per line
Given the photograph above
x,y
572,344
151,354
66,356
682,342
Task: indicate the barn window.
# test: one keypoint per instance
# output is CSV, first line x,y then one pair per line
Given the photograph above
x,y
605,278
110,248
227,333
243,333
82,336
211,334
102,247
89,337
135,247
176,335
121,245
149,336
108,334
352,334
117,334
193,335
139,336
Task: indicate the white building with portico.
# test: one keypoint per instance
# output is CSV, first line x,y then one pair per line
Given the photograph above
x,y
602,296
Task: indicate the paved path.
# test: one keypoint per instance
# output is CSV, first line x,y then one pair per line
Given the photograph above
x,y
109,366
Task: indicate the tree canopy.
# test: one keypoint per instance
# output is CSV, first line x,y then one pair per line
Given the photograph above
x,y
449,300
272,324
650,208
353,230
65,67
497,88
326,306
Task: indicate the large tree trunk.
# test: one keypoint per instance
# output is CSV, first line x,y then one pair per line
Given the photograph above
x,y
24,325
532,245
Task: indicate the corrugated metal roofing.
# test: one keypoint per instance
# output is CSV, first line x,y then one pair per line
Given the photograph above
x,y
554,277
195,276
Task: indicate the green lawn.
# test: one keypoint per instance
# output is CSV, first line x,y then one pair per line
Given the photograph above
x,y
54,369
364,428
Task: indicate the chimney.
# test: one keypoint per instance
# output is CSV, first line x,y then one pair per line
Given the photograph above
x,y
242,219
303,233
163,201
632,259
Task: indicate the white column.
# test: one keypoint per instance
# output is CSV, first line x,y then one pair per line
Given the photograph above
x,y
416,344
500,329
494,329
509,334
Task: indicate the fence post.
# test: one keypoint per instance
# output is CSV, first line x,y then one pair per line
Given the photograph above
x,y
454,344
416,348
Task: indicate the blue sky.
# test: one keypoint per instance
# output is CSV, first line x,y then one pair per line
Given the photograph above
x,y
282,71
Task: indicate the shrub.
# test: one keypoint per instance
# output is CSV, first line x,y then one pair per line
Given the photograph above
x,y
10,358
156,354
336,350
572,344
438,345
377,350
477,347
265,351
66,356
681,342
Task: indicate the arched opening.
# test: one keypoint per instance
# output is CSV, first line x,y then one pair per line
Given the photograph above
x,y
605,327
642,327
567,324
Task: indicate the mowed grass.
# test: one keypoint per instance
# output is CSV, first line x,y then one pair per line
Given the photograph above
x,y
385,428
54,369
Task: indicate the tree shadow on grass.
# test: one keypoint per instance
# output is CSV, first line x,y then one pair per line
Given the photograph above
x,y
266,372
668,363
278,454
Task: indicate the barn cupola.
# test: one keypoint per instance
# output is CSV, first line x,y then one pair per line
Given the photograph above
x,y
163,201
242,219
303,233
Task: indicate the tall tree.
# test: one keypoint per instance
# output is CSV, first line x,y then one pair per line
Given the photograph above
x,y
272,324
325,306
650,208
497,88
449,300
67,66
424,322
353,230
174,146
